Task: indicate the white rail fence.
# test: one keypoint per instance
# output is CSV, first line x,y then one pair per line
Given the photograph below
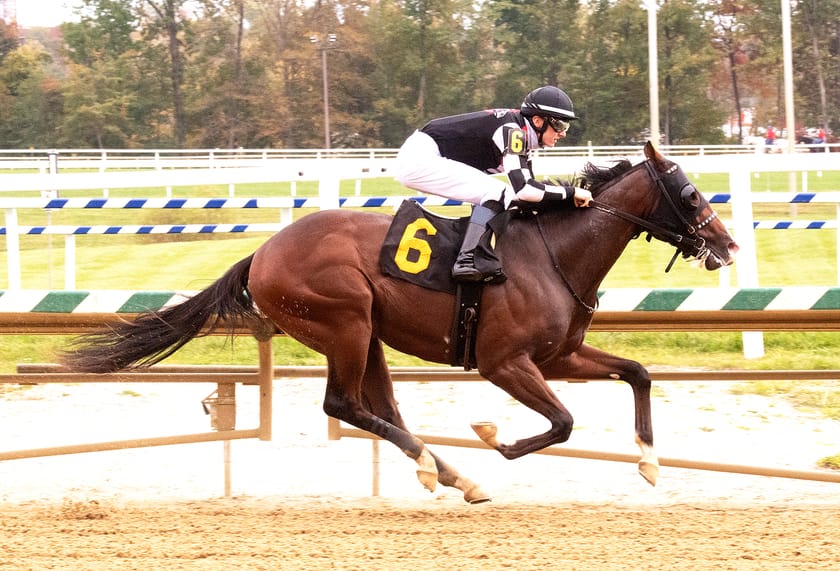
x,y
116,159
86,169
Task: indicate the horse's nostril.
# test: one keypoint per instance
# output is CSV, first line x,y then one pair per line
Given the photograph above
x,y
733,249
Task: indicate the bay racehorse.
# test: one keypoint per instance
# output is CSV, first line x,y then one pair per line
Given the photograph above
x,y
319,281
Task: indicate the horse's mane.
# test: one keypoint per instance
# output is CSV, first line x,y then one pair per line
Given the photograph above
x,y
594,178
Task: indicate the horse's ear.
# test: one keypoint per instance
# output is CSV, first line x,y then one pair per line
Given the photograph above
x,y
652,153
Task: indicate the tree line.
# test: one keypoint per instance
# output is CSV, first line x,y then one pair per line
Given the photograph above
x,y
249,73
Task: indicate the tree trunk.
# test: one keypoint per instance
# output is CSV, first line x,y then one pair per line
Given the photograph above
x,y
734,76
177,81
168,15
233,119
810,12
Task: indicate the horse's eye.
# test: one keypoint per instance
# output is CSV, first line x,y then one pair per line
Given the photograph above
x,y
690,197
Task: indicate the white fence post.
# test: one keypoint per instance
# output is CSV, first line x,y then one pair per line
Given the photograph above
x,y
13,248
70,262
747,264
328,192
286,216
103,166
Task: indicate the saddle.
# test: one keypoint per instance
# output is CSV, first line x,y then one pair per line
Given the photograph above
x,y
421,247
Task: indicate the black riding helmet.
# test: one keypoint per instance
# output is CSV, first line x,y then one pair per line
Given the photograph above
x,y
552,104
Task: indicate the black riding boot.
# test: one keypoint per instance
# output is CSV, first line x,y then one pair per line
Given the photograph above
x,y
465,266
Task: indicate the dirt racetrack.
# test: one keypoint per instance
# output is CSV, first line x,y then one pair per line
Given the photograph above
x,y
365,534
302,503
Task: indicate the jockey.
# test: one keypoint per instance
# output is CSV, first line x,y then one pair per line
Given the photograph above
x,y
457,157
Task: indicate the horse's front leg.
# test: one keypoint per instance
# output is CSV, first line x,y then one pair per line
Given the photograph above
x,y
521,379
591,363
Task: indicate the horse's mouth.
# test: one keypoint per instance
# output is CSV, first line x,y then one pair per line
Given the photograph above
x,y
713,261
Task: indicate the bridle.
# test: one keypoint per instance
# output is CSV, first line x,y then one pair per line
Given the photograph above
x,y
686,240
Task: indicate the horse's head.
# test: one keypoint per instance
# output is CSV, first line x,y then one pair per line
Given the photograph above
x,y
690,223
677,214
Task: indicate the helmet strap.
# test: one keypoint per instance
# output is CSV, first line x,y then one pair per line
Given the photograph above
x,y
539,130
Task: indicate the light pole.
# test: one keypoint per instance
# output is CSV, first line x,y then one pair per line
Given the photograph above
x,y
790,118
323,46
653,70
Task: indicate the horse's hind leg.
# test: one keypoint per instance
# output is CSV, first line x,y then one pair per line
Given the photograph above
x,y
378,397
449,476
346,366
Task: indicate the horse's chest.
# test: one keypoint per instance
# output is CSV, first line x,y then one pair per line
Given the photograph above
x,y
553,333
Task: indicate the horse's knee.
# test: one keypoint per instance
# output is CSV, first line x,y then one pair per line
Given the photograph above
x,y
636,375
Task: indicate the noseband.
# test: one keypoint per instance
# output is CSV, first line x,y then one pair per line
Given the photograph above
x,y
687,242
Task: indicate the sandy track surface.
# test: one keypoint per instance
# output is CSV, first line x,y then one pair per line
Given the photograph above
x,y
314,535
301,502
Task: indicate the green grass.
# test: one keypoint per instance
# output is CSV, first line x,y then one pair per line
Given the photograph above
x,y
823,398
830,462
722,350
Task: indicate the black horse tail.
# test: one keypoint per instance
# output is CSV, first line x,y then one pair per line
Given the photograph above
x,y
155,335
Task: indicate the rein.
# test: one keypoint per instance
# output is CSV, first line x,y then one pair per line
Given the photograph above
x,y
589,308
690,244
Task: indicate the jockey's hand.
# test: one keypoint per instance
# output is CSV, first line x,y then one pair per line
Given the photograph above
x,y
582,197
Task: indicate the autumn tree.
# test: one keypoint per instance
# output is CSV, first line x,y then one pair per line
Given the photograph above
x,y
30,99
166,21
686,61
614,89
420,51
817,51
102,107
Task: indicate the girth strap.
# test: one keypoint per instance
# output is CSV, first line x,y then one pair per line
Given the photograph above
x,y
465,325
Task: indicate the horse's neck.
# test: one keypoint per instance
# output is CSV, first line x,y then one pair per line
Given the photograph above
x,y
587,244
587,247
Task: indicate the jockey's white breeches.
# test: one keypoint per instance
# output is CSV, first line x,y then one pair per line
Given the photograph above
x,y
421,167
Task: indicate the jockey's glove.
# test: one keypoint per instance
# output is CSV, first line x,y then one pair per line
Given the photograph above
x,y
570,195
582,196
574,195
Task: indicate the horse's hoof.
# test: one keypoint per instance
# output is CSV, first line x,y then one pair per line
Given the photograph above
x,y
428,479
649,471
476,495
427,471
487,432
